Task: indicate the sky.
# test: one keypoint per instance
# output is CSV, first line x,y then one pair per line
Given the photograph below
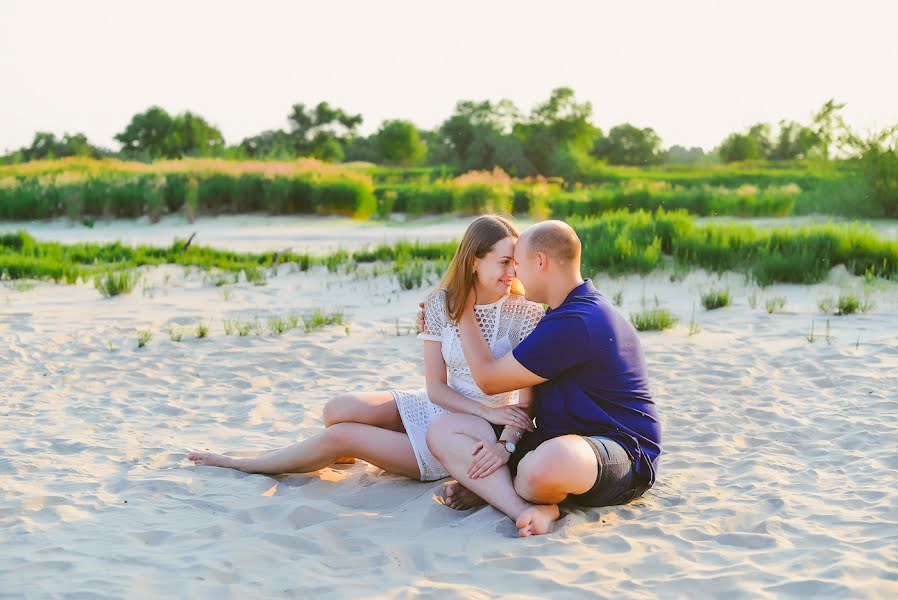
x,y
694,71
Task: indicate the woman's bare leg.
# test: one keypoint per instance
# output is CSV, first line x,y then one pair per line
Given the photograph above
x,y
389,450
371,408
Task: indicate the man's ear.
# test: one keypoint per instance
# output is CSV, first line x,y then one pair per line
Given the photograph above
x,y
543,260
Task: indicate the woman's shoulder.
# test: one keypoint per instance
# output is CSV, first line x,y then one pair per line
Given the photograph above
x,y
436,299
520,304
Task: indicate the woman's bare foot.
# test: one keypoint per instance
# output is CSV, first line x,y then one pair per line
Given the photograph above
x,y
457,496
210,459
345,460
537,520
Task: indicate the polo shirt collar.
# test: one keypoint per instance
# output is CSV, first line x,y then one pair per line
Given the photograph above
x,y
583,289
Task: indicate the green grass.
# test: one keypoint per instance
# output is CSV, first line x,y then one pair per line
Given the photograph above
x,y
115,283
775,304
694,327
175,333
278,324
655,319
143,337
202,329
410,275
616,243
714,299
319,319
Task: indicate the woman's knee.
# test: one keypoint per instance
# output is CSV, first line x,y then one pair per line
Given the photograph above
x,y
338,438
339,409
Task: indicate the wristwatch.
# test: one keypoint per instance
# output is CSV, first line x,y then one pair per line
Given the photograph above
x,y
508,445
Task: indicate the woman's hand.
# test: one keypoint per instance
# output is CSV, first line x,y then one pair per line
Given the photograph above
x,y
514,415
488,456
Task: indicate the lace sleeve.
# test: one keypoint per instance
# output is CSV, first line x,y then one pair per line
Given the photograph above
x,y
533,314
434,317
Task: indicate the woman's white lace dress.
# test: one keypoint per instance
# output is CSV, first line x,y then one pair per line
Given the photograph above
x,y
504,324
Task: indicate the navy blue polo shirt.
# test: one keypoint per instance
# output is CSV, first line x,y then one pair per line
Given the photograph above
x,y
597,380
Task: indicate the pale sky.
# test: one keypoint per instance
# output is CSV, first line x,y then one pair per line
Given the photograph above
x,y
693,70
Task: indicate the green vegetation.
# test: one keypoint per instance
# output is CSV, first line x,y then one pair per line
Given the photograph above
x,y
655,319
143,337
114,283
617,243
175,333
319,319
715,299
775,304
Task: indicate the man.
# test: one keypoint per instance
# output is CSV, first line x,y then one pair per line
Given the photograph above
x,y
597,436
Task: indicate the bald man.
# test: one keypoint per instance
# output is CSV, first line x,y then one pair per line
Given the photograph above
x,y
597,437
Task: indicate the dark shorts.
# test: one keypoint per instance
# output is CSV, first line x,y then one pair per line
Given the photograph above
x,y
616,480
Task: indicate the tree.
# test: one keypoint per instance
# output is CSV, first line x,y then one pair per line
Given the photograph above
x,y
827,122
323,132
558,125
793,141
680,155
156,134
274,143
399,143
479,134
738,147
193,135
45,145
148,134
629,145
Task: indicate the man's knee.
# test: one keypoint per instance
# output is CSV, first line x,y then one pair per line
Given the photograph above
x,y
339,409
539,474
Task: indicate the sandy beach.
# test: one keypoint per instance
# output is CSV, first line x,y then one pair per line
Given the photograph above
x,y
777,480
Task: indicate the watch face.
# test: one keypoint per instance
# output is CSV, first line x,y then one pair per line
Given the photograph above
x,y
510,447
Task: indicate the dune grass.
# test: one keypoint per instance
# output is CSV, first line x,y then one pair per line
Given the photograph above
x,y
775,304
714,299
114,283
143,337
318,319
616,243
654,319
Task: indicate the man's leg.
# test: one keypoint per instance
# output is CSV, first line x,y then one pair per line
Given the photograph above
x,y
451,439
558,467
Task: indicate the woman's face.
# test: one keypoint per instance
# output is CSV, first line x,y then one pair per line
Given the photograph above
x,y
496,270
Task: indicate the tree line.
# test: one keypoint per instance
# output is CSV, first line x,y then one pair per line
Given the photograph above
x,y
557,138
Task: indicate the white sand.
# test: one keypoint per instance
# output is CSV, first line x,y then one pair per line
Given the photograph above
x,y
777,479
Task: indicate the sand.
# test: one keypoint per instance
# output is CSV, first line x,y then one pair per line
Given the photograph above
x,y
778,477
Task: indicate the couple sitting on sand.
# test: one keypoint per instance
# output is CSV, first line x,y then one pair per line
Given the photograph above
x,y
578,368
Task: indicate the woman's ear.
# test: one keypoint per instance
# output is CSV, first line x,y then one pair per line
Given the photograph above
x,y
475,266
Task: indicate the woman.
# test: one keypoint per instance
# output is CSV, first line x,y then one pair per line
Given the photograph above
x,y
388,429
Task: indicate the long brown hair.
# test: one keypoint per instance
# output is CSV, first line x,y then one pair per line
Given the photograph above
x,y
479,239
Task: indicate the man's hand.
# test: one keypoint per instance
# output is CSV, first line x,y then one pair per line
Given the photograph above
x,y
420,320
488,456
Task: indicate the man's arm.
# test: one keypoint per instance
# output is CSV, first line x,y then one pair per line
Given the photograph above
x,y
492,375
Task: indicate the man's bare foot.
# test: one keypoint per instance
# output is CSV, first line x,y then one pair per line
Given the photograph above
x,y
210,459
345,460
537,520
457,496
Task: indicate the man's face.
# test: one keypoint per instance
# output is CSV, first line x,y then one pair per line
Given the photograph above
x,y
527,268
